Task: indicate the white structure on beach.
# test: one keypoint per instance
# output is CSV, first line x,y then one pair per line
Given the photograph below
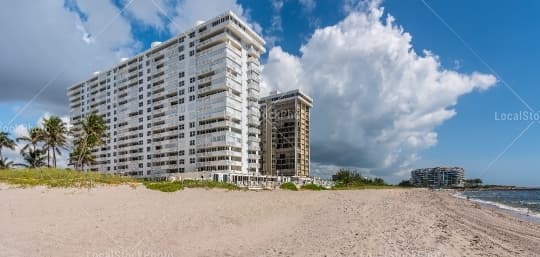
x,y
189,104
438,177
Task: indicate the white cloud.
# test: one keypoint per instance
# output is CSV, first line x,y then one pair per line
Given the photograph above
x,y
55,44
376,101
20,131
14,155
308,5
360,5
271,33
150,12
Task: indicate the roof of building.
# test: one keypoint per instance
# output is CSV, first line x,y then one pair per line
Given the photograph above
x,y
275,95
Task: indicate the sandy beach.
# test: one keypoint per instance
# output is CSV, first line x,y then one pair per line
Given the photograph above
x,y
123,221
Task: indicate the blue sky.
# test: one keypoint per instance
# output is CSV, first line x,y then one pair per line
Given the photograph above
x,y
503,36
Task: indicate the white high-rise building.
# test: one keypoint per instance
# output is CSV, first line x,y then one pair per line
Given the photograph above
x,y
189,104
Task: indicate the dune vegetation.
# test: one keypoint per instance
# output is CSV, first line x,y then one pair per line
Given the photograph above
x,y
173,186
60,178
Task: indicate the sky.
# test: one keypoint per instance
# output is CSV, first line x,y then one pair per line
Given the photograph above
x,y
397,85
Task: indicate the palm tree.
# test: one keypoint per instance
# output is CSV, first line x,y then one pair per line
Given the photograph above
x,y
5,164
54,137
81,155
35,136
94,128
33,158
93,135
6,142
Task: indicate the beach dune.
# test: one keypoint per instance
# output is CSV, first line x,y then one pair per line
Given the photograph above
x,y
123,221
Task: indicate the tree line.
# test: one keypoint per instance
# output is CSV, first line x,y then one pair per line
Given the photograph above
x,y
45,143
350,178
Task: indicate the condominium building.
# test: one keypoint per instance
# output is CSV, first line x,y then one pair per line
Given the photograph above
x,y
189,104
285,128
438,177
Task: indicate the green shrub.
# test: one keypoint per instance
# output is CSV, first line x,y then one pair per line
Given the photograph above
x,y
164,186
312,187
289,186
350,178
208,184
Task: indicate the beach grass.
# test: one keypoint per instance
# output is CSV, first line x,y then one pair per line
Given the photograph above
x,y
164,186
312,187
59,178
70,178
168,186
361,187
209,184
288,186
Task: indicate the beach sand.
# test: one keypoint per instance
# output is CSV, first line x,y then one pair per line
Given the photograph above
x,y
122,221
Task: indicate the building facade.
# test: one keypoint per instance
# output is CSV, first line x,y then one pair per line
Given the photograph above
x,y
189,104
438,177
285,132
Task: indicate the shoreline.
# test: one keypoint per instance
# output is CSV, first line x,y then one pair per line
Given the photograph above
x,y
521,213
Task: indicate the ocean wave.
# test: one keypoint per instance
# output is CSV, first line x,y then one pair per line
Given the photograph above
x,y
521,211
530,202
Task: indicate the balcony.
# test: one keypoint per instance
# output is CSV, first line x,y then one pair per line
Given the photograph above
x,y
255,131
213,41
219,124
220,153
254,147
254,76
254,140
219,163
253,60
223,138
253,95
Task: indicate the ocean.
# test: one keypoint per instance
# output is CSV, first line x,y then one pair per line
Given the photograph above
x,y
522,202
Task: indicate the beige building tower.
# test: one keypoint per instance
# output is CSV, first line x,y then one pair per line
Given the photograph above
x,y
285,128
